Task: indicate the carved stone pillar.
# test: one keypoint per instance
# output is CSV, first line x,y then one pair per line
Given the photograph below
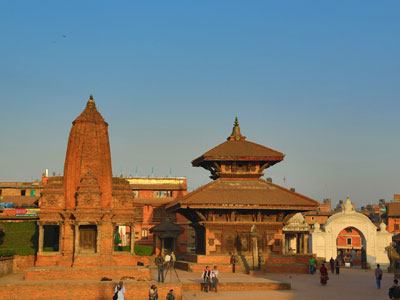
x,y
77,238
133,239
41,237
306,237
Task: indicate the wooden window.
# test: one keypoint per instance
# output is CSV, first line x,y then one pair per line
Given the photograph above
x,y
396,226
23,192
145,233
349,242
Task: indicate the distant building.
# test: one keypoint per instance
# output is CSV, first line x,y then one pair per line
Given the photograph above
x,y
152,195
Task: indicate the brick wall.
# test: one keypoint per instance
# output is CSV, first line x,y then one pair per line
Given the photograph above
x,y
20,263
6,265
87,291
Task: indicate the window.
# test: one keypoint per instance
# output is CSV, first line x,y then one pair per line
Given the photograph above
x,y
23,192
122,238
51,238
1,191
396,226
33,193
162,194
348,241
312,218
136,193
145,233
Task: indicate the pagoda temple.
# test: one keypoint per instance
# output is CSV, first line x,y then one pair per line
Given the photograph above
x,y
238,209
80,212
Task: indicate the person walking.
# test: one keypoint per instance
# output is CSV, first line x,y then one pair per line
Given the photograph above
x,y
214,279
332,263
337,265
160,267
233,263
378,275
206,278
119,291
323,274
394,291
171,295
313,265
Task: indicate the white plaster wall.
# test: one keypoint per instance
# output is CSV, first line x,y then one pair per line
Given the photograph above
x,y
324,242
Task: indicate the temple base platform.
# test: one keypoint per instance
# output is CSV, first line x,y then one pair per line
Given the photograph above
x,y
138,273
198,262
17,288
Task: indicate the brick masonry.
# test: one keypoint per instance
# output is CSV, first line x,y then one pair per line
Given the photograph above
x,y
138,273
104,290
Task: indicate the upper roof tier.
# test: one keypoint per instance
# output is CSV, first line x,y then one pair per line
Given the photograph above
x,y
237,157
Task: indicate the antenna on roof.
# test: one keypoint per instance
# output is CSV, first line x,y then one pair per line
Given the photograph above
x,y
152,172
136,172
284,181
170,172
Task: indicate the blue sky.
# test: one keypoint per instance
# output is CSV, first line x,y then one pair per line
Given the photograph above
x,y
316,80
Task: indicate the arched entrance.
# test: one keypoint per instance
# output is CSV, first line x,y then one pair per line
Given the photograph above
x,y
324,239
351,247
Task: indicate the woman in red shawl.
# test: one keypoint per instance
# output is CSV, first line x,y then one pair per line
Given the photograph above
x,y
323,274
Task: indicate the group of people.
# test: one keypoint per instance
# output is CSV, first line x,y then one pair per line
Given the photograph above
x,y
153,293
164,262
210,279
119,292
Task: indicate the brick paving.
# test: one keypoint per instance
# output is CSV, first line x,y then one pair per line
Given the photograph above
x,y
351,284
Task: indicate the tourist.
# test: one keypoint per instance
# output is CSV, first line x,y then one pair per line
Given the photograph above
x,y
155,293
313,265
337,265
323,274
332,263
394,291
378,275
167,259
152,292
173,259
206,279
214,279
160,267
119,291
233,262
171,295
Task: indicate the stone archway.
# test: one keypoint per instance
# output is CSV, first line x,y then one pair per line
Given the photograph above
x,y
324,239
351,247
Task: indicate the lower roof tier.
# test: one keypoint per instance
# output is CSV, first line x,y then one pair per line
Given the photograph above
x,y
239,193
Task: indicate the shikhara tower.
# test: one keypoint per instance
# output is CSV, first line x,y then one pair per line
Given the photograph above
x,y
85,206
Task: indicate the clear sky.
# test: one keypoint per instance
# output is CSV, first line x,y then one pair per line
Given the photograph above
x,y
316,80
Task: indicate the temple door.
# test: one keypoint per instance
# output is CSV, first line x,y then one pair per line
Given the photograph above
x,y
88,235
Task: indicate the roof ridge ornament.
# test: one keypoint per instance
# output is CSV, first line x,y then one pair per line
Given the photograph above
x,y
348,207
236,135
91,103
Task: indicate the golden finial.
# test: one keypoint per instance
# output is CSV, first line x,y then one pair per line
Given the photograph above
x,y
236,135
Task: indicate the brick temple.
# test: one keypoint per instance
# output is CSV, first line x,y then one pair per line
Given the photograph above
x,y
81,211
239,212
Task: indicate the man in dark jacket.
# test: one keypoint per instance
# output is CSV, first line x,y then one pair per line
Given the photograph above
x,y
332,263
394,291
159,261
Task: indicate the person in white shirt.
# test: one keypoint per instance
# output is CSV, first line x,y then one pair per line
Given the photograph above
x,y
167,259
120,291
214,278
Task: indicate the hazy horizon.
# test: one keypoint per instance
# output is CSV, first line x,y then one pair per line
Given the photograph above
x,y
317,81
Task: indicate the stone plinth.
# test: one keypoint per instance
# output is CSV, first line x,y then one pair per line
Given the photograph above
x,y
65,273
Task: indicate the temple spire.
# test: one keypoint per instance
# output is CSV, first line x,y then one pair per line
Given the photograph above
x,y
236,135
